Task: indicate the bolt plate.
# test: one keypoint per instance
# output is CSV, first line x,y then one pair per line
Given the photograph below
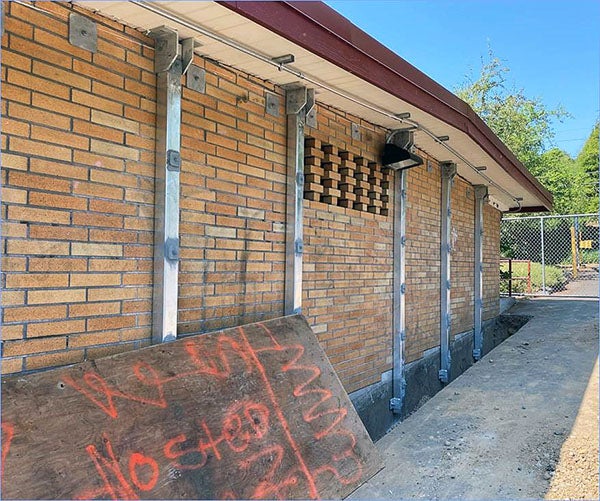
x,y
83,32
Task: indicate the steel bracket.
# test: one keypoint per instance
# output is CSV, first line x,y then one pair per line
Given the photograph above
x,y
195,79
173,161
82,32
477,354
481,192
355,131
165,47
299,246
272,104
172,249
443,375
395,405
296,98
187,54
311,109
403,289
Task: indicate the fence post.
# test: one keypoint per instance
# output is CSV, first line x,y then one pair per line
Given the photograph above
x,y
510,278
574,251
543,257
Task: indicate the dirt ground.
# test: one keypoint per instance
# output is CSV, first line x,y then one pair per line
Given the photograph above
x,y
521,423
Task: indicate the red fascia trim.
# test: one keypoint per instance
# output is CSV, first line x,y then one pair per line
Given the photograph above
x,y
324,32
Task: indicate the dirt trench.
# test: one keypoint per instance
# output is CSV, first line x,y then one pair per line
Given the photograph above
x,y
521,423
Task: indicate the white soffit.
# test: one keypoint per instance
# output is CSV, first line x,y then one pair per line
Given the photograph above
x,y
224,22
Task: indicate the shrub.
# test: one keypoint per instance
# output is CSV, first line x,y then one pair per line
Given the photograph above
x,y
555,278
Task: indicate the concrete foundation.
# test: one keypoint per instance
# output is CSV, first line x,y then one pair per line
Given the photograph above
x,y
422,382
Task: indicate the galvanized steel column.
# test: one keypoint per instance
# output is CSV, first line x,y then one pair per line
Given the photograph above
x,y
296,100
168,67
399,313
481,195
448,173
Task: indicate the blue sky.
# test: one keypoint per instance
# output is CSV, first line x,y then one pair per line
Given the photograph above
x,y
551,47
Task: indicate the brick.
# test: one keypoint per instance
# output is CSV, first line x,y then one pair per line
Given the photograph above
x,y
115,121
55,328
56,296
36,280
116,322
54,359
97,190
97,73
14,196
36,148
109,207
11,365
57,264
60,106
10,332
57,232
28,180
94,309
19,213
82,340
38,116
61,76
28,346
33,313
14,161
115,150
15,127
94,279
97,220
57,201
12,298
29,81
111,293
31,247
85,249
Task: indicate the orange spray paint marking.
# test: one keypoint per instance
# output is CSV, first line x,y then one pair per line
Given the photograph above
x,y
104,465
99,385
8,432
138,460
312,488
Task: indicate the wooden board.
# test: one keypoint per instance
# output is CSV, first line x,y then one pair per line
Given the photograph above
x,y
251,412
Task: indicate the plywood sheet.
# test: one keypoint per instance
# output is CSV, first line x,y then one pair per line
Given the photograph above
x,y
251,412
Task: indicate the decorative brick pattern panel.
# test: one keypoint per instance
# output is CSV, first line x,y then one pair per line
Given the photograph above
x,y
77,172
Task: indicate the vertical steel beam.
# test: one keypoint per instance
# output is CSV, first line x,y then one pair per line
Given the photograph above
x,y
448,173
399,314
481,195
168,68
296,100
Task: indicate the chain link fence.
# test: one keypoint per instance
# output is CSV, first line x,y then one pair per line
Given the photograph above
x,y
549,255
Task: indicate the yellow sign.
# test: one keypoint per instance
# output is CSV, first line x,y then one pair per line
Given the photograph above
x,y
585,244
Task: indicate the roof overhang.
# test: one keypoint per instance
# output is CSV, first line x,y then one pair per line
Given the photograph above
x,y
362,77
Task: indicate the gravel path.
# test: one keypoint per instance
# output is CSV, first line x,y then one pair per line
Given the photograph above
x,y
518,424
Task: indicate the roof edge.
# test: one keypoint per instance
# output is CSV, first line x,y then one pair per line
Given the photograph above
x,y
323,31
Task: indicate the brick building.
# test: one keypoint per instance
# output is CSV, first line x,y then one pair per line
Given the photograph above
x,y
139,204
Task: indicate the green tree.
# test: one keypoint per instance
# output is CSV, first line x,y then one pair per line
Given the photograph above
x,y
587,163
522,123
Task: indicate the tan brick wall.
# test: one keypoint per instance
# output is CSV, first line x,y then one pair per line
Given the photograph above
x,y
348,267
77,173
491,261
423,258
233,186
462,256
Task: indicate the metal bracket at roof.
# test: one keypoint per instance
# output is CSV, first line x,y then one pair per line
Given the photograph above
x,y
295,99
187,54
272,104
311,109
166,47
82,32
